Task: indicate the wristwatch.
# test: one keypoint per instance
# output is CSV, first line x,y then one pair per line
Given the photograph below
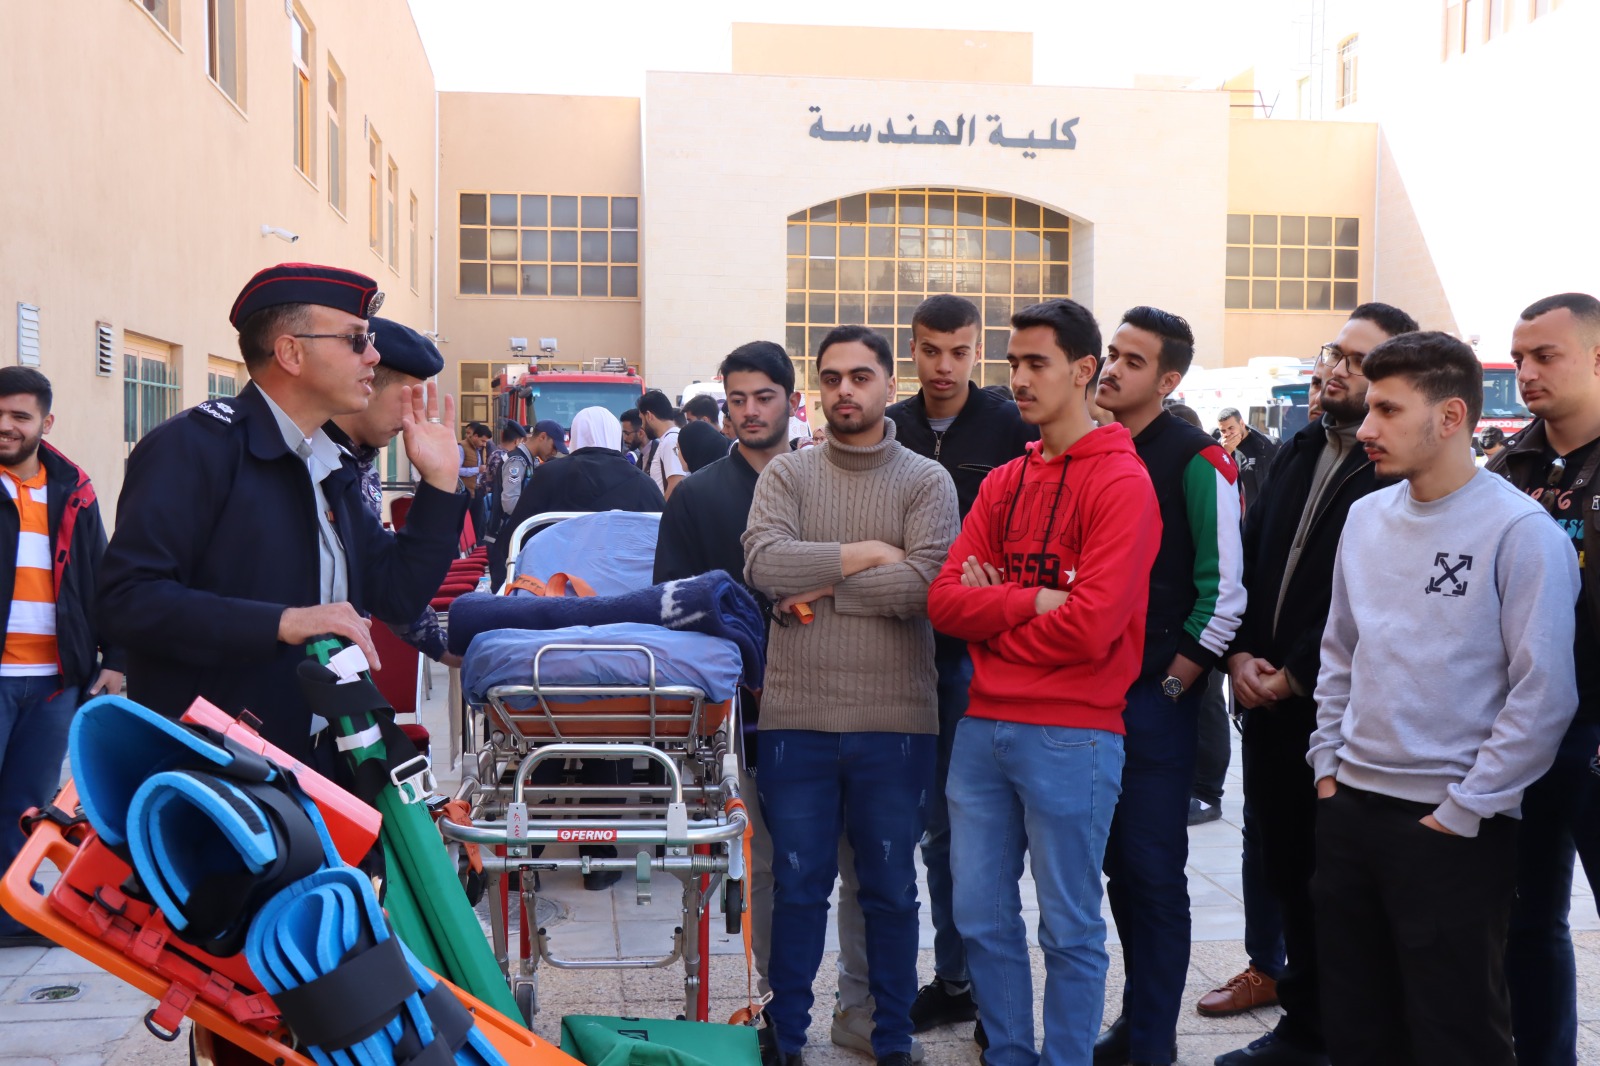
x,y
1171,687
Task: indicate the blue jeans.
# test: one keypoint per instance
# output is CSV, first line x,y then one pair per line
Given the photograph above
x,y
1145,856
35,713
1049,791
1560,822
874,788
949,957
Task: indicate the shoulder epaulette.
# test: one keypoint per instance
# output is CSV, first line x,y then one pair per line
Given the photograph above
x,y
221,410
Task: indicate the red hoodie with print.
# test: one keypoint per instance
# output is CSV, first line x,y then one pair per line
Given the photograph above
x,y
1085,522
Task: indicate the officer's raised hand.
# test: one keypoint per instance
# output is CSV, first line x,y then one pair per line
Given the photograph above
x,y
429,435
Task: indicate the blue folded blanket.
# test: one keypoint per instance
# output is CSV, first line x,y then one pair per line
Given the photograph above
x,y
714,604
626,561
505,657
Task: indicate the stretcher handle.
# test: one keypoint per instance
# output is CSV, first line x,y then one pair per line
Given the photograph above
x,y
578,751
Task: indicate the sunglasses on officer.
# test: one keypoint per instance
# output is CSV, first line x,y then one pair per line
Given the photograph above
x,y
358,341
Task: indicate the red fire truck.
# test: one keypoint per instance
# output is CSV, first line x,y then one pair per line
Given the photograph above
x,y
559,391
1502,404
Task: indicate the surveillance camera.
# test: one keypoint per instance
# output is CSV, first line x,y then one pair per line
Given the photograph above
x,y
547,344
280,233
519,344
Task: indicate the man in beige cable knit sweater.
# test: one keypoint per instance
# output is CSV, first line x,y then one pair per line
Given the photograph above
x,y
855,530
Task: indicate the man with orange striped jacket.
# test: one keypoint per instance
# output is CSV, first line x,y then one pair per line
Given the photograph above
x,y
52,539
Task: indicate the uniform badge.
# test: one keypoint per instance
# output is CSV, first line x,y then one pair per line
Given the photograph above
x,y
374,302
222,412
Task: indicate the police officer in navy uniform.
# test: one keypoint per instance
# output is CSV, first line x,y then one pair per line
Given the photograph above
x,y
241,536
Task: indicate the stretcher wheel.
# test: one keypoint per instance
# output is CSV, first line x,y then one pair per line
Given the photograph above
x,y
733,906
527,997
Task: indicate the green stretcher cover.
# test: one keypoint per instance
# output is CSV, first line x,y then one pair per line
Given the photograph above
x,y
600,1041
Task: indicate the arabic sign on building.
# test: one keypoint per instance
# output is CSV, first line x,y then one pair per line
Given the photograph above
x,y
964,133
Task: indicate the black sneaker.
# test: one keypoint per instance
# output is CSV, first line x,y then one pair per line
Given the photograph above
x,y
1201,812
937,1005
1269,1050
897,1058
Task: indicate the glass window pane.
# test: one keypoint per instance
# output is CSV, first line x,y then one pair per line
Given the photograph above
x,y
852,308
474,209
941,210
1347,232
535,281
996,309
941,242
852,240
997,244
941,276
794,340
1057,247
1319,231
969,276
823,308
1027,214
536,210
1239,262
822,275
535,246
997,277
1265,230
624,215
474,243
1027,278
564,246
828,212
596,212
1319,263
797,272
905,307
1026,244
824,240
1292,263
1264,295
913,208
1018,303
969,244
1057,280
1238,295
1056,220
1344,296
853,208
624,248
910,243
1264,263
563,210
502,244
1291,295
1344,262
996,341
797,240
880,275
880,207
504,280
795,307
503,209
595,281
1238,229
852,274
1319,296
595,248
880,310
909,275
564,281
880,241
997,209
1291,230
969,210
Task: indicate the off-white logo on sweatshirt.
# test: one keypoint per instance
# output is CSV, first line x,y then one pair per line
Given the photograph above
x,y
1449,580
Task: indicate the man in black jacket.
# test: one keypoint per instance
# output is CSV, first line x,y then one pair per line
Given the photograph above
x,y
241,535
1556,459
969,431
1252,452
53,539
1291,537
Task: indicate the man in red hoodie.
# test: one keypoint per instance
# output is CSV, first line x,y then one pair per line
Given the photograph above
x,y
1048,585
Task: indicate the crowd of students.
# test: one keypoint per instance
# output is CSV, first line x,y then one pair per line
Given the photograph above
x,y
1013,615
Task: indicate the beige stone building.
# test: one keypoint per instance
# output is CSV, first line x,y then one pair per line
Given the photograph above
x,y
163,150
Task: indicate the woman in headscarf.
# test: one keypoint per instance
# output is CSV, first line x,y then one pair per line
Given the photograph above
x,y
593,477
701,444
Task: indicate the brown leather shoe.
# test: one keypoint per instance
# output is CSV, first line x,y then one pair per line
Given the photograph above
x,y
1243,992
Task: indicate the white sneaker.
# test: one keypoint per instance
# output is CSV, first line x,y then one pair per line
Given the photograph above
x,y
853,1029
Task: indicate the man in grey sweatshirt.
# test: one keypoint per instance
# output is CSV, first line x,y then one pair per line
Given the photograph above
x,y
1446,685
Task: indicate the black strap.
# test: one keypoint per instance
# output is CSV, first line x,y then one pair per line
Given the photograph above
x,y
452,1022
360,997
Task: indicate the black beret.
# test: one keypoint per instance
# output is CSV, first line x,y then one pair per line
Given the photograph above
x,y
307,283
403,349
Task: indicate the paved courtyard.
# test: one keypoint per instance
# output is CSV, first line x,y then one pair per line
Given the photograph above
x,y
56,1008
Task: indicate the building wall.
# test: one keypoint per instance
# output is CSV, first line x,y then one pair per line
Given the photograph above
x,y
1300,168
134,190
891,54
515,143
728,158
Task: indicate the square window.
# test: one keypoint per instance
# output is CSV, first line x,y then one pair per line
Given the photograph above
x,y
474,243
880,275
913,208
1027,278
1264,229
1292,263
625,281
535,281
880,241
1239,262
941,277
624,247
1292,230
502,244
564,246
880,310
941,210
910,242
909,275
595,281
797,272
852,240
1264,295
852,309
535,246
1238,295
1264,262
880,207
1319,263
997,210
564,281
474,209
1238,229
828,212
794,340
797,240
941,242
1057,246
1345,262
822,274
824,308
969,210
853,208
1056,220
596,212
1344,296
1319,231
503,209
997,244
624,213
1057,279
1027,215
997,277
995,343
906,308
504,280
1026,244
795,307
474,279
969,276
1291,295
595,247
536,210
969,244
1319,296
564,211
852,275
997,309
824,240
1347,232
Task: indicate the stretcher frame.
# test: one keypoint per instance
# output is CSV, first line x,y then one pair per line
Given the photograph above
x,y
692,826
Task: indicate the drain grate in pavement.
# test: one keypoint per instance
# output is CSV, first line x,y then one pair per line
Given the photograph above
x,y
548,912
62,993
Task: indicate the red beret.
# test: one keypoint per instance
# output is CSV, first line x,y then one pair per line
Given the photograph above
x,y
307,283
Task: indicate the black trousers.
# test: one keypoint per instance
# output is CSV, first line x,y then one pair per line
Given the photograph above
x,y
1278,781
1211,760
1412,934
